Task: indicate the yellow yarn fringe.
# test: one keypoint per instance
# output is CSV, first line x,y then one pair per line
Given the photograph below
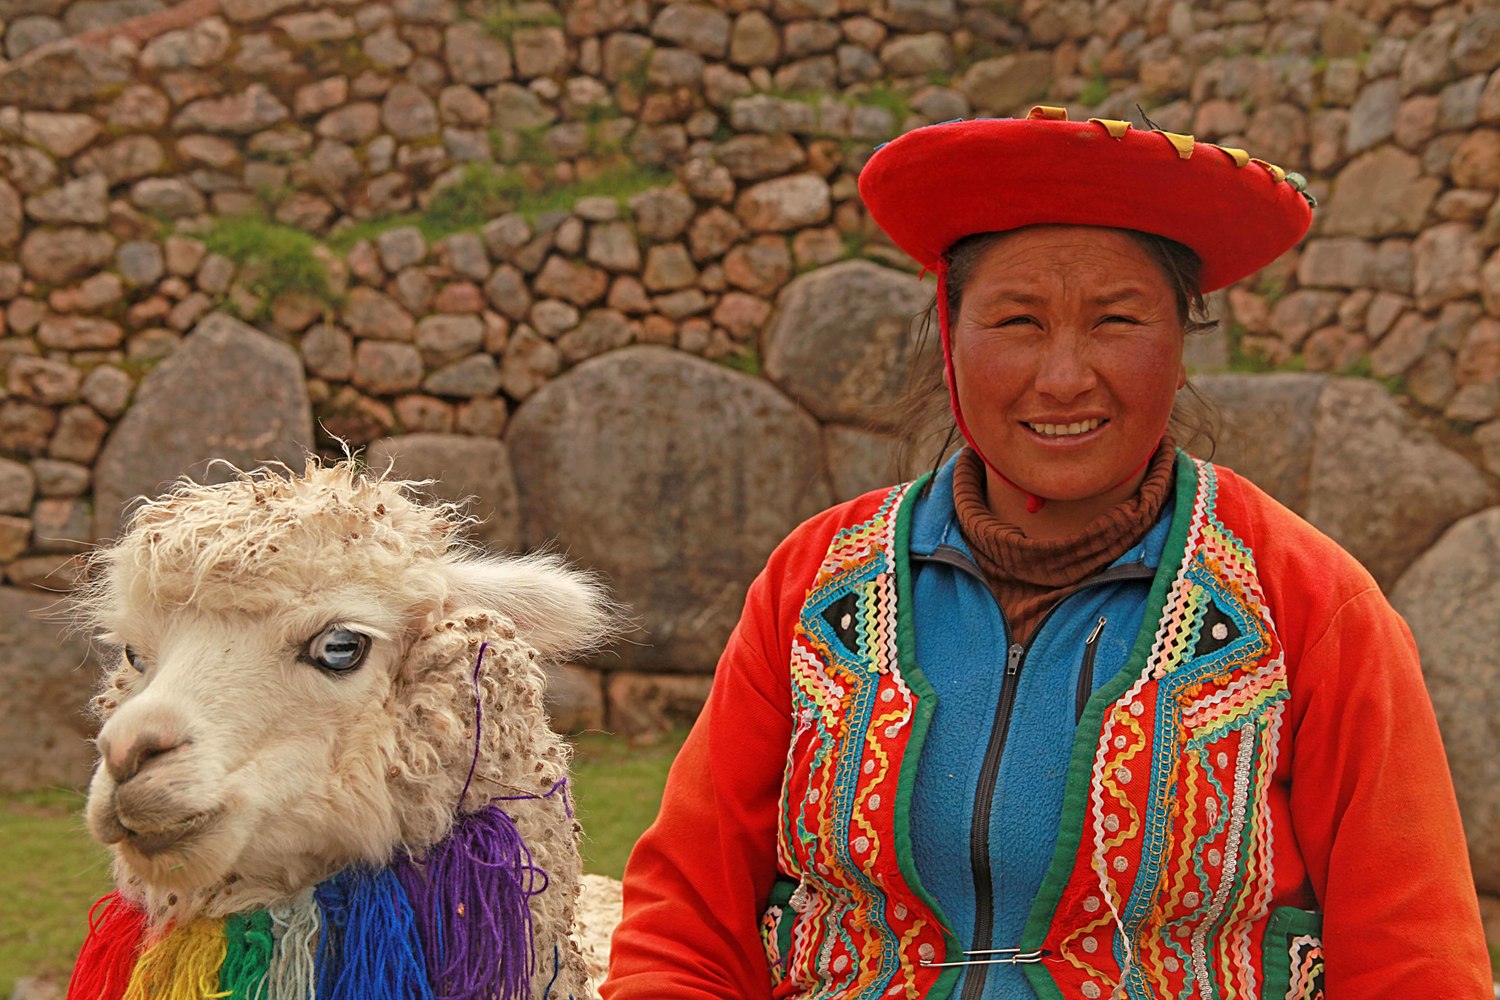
x,y
183,965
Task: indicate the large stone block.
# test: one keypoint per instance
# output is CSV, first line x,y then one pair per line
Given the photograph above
x,y
62,76
675,478
56,256
574,698
1381,193
1451,599
860,461
840,341
699,27
229,392
1342,453
1003,84
644,705
48,677
785,203
475,57
460,469
240,113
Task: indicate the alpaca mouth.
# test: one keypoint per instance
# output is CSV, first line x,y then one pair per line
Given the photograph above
x,y
150,843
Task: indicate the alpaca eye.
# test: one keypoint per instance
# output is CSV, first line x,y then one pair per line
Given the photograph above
x,y
337,649
135,659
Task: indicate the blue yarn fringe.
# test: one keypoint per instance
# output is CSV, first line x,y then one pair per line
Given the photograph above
x,y
369,949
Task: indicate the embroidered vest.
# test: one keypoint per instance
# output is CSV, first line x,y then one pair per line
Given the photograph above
x,y
1161,880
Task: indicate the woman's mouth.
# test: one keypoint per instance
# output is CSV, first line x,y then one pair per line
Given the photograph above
x,y
1077,428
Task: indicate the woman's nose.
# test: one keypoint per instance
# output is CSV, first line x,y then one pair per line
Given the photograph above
x,y
1064,371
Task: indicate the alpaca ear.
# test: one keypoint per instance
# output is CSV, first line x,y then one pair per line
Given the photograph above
x,y
558,610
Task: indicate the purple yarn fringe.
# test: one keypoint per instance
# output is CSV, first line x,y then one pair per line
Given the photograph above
x,y
470,896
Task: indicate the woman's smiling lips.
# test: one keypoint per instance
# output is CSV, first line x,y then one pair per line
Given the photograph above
x,y
1069,431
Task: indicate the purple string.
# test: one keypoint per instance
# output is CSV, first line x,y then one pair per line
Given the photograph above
x,y
559,784
478,724
471,899
470,896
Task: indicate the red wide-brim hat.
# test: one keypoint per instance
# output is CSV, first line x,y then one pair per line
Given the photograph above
x,y
935,185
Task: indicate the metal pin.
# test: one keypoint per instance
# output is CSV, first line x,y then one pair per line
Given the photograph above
x,y
1010,956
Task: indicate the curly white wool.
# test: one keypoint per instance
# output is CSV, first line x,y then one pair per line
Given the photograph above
x,y
281,773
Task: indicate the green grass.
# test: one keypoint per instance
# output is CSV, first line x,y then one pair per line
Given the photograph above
x,y
51,870
746,360
1360,368
51,874
620,182
277,258
479,195
1241,360
530,146
1273,290
855,241
504,19
883,96
1095,91
618,790
486,191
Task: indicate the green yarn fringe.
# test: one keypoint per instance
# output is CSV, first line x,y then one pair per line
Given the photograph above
x,y
248,960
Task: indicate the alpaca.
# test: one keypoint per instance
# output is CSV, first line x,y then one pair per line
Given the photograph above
x,y
292,778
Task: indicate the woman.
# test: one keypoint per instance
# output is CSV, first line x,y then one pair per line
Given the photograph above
x,y
1079,716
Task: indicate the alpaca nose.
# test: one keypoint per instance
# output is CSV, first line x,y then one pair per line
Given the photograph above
x,y
125,758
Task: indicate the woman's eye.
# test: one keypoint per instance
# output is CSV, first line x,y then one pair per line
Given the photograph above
x,y
337,649
1118,319
1017,321
135,659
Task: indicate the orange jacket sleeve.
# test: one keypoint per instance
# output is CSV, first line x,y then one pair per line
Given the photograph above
x,y
1375,817
699,878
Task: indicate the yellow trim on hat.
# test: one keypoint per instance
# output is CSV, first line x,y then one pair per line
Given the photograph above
x,y
1117,129
1048,112
1277,174
1239,156
1182,143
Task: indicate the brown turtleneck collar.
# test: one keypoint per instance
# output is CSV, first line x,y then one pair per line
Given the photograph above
x,y
1029,575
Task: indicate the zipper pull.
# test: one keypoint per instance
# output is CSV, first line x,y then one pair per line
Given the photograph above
x,y
1094,635
1013,660
1086,670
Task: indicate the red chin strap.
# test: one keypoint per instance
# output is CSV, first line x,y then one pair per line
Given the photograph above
x,y
1034,503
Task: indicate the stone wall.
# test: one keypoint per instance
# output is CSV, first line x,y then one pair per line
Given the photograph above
x,y
551,253
602,266
30,24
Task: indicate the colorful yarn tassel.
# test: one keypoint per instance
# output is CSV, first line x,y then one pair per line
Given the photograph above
x,y
247,958
296,924
369,949
116,930
184,965
471,897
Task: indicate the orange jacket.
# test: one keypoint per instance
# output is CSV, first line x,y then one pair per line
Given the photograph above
x,y
1360,808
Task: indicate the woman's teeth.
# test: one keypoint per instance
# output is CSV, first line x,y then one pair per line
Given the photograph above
x,y
1066,430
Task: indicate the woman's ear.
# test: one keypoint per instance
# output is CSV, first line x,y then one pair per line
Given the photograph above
x,y
558,610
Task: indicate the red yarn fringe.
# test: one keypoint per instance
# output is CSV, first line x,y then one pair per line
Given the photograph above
x,y
108,956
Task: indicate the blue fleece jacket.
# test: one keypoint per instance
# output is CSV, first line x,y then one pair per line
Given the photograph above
x,y
963,647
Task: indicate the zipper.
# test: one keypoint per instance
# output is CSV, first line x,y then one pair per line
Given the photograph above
x,y
979,826
984,795
1086,672
989,771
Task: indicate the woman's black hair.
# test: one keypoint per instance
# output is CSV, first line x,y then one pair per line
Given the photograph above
x,y
924,404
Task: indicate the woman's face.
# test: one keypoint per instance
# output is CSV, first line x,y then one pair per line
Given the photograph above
x,y
1067,351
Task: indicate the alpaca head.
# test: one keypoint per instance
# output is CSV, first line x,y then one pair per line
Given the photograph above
x,y
295,684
